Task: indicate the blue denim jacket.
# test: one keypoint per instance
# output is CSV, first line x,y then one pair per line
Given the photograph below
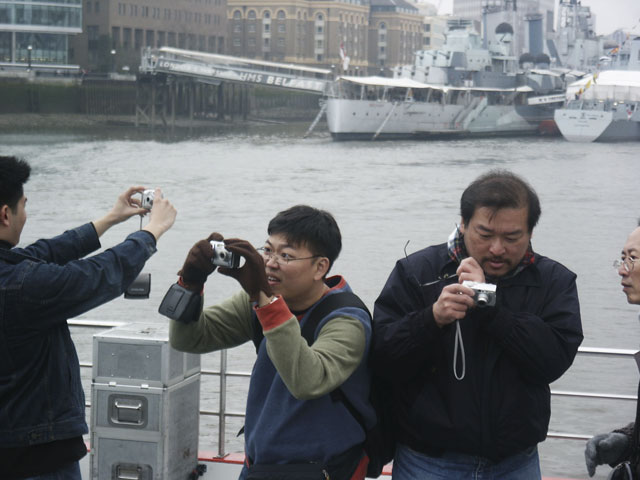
x,y
41,286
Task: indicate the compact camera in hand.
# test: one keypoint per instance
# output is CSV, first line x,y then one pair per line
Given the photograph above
x,y
223,257
484,293
147,199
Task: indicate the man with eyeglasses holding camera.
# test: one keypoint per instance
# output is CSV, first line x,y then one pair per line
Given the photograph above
x,y
293,421
623,445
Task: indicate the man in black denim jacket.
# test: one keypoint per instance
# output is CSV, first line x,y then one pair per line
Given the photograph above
x,y
42,416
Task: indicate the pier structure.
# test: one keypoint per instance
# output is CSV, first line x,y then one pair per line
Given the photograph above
x,y
171,78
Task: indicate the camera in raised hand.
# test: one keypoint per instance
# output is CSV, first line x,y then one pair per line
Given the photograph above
x,y
223,257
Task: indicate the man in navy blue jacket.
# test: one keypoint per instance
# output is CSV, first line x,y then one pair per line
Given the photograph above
x,y
471,382
42,417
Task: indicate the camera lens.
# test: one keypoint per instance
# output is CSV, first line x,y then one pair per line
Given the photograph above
x,y
482,299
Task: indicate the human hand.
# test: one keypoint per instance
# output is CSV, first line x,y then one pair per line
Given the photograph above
x,y
470,269
163,214
198,265
252,275
125,207
604,448
452,304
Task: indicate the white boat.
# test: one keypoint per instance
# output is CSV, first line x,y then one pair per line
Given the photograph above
x,y
603,107
377,107
460,90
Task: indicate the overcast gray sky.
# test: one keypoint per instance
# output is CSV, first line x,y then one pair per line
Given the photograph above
x,y
610,14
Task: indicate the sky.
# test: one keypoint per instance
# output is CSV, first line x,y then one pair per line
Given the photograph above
x,y
610,14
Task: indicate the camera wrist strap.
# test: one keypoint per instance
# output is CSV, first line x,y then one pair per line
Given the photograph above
x,y
459,344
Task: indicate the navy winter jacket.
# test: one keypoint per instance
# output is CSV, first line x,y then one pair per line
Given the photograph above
x,y
513,352
41,286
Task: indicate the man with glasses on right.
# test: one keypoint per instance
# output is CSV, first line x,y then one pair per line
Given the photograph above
x,y
622,445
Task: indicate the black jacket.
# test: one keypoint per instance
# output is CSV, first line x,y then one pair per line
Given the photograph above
x,y
513,352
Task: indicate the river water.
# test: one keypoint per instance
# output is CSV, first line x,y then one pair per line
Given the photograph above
x,y
382,194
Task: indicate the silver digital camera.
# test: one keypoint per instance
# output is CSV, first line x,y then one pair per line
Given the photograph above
x,y
147,199
223,257
484,293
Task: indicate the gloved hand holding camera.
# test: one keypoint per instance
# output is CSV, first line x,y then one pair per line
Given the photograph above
x,y
198,265
605,448
251,276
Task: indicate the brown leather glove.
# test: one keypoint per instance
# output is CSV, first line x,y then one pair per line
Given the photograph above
x,y
251,275
198,266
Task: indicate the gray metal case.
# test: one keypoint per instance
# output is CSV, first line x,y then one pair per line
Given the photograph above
x,y
144,420
140,354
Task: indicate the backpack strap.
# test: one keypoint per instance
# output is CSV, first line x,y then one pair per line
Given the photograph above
x,y
328,304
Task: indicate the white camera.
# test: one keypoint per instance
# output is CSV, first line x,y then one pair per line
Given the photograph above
x,y
484,293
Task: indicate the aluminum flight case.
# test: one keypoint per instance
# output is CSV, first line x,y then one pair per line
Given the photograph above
x,y
145,399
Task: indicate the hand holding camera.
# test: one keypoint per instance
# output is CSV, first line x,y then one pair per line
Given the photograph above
x,y
251,276
199,263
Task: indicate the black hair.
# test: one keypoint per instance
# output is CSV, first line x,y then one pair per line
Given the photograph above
x,y
14,173
308,226
500,189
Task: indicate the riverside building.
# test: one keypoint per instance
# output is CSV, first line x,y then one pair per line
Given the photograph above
x,y
36,33
351,37
114,31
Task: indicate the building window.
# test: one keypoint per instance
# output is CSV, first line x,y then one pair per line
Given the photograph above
x,y
281,15
145,11
237,15
281,28
427,27
126,37
237,28
251,41
115,37
281,41
137,38
251,28
150,38
266,27
161,40
251,15
236,41
171,39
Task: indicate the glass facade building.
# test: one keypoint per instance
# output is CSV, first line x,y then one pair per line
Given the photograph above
x,y
43,25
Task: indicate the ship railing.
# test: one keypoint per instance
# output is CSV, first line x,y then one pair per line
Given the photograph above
x,y
224,372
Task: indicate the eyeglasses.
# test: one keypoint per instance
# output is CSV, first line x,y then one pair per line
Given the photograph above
x,y
627,263
280,258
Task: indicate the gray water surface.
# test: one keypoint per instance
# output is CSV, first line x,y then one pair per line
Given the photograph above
x,y
382,194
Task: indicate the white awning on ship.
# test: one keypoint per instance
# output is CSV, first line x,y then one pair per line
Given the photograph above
x,y
408,83
617,85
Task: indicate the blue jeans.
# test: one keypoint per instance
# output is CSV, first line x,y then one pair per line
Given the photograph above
x,y
68,472
411,465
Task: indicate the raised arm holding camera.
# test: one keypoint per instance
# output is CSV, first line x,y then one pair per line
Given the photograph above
x,y
42,405
292,422
471,333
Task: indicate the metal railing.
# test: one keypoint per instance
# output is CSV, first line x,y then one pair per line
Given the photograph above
x,y
225,373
